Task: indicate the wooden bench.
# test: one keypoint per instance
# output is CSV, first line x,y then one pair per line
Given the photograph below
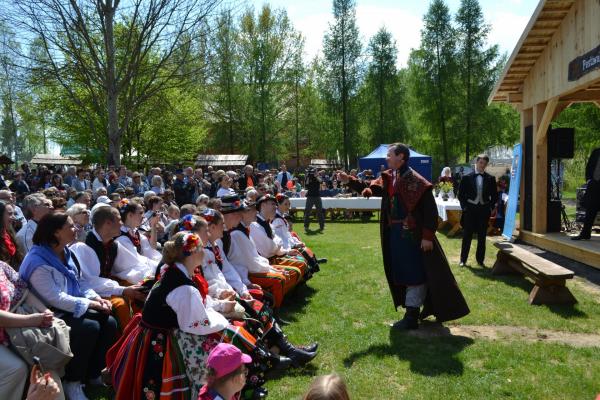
x,y
548,277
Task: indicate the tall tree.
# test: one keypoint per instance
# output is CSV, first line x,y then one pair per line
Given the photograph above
x,y
224,79
433,68
383,92
79,39
342,50
479,67
268,44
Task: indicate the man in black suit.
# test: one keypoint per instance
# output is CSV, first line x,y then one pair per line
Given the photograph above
x,y
478,196
591,201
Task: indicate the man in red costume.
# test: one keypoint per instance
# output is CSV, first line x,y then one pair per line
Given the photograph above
x,y
415,265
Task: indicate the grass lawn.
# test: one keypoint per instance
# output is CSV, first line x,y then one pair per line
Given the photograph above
x,y
347,307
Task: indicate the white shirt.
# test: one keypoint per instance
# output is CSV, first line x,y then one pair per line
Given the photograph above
x,y
51,287
225,192
90,271
25,236
193,315
264,244
479,185
244,256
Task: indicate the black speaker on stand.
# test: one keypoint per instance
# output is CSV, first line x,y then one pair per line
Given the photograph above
x,y
561,145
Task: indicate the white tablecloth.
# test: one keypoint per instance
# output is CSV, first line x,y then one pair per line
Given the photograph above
x,y
353,203
444,206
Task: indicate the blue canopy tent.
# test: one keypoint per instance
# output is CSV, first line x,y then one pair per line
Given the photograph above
x,y
419,162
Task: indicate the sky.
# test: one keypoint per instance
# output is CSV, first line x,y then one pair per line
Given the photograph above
x,y
403,18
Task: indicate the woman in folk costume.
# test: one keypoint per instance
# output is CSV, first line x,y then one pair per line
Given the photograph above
x,y
162,352
289,240
243,255
264,239
258,318
415,265
132,215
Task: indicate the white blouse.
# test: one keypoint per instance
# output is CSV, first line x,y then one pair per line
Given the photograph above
x,y
147,250
193,315
217,283
282,233
233,277
243,255
266,246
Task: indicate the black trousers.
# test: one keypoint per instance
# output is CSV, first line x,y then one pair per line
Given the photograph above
x,y
91,336
475,219
310,202
592,207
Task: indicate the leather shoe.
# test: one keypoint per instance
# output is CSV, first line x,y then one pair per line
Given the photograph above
x,y
462,264
581,237
481,264
322,261
311,348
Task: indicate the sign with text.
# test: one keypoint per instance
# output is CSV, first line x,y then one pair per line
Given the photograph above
x,y
584,64
513,192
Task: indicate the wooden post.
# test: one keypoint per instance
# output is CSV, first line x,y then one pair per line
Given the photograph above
x,y
542,116
526,120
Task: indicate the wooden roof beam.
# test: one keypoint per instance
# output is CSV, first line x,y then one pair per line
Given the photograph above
x,y
583,95
542,127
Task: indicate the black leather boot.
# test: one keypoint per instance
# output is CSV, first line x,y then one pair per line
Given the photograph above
x,y
298,355
410,320
271,360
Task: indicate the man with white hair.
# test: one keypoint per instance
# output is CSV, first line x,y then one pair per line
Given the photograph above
x,y
248,179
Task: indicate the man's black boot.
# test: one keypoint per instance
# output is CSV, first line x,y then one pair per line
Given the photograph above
x,y
410,320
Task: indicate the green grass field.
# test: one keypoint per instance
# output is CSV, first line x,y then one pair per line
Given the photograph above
x,y
347,307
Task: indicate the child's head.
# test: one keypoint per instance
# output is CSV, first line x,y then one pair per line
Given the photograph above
x,y
327,387
226,367
173,212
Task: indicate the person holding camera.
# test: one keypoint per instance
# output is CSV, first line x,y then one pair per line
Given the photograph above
x,y
313,198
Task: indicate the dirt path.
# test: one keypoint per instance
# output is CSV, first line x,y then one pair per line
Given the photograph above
x,y
507,333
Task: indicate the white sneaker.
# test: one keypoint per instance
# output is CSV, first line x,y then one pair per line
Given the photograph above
x,y
74,391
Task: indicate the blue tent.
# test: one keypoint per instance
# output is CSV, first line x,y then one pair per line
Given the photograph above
x,y
419,162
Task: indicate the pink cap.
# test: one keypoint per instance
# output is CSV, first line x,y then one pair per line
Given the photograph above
x,y
226,358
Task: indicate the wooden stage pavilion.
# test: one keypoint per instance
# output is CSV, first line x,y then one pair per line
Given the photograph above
x,y
555,63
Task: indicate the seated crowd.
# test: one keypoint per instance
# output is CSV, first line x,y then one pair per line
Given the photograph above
x,y
158,287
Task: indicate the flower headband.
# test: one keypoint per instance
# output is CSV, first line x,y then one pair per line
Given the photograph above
x,y
191,241
187,223
209,215
280,197
123,203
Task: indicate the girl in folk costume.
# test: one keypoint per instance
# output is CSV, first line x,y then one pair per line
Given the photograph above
x,y
264,239
243,255
288,239
258,318
132,215
163,349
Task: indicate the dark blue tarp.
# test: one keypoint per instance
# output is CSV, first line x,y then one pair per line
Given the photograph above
x,y
419,162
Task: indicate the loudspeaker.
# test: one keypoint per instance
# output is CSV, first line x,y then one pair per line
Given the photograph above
x,y
553,217
527,164
561,143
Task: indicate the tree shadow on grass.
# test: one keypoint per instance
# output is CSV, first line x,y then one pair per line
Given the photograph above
x,y
296,301
517,280
428,354
306,370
